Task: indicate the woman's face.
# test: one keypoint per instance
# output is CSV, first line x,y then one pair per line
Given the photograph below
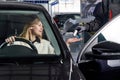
x,y
37,29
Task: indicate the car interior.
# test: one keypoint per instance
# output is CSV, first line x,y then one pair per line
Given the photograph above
x,y
12,25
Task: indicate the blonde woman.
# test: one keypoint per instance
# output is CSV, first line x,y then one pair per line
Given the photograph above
x,y
33,31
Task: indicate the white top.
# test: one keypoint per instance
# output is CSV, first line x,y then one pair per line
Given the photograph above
x,y
44,47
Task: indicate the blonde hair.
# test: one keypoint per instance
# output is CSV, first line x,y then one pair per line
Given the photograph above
x,y
26,33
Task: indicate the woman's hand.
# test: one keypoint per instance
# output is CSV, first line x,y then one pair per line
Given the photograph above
x,y
72,40
10,39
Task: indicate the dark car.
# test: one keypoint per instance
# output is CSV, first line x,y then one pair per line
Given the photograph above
x,y
18,62
61,18
100,57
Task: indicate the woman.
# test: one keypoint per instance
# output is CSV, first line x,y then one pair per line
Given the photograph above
x,y
33,31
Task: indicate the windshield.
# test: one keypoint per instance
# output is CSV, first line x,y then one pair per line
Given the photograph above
x,y
12,23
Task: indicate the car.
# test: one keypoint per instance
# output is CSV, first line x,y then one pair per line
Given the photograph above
x,y
99,59
18,62
62,17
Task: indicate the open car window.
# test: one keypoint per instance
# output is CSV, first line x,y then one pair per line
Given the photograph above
x,y
13,21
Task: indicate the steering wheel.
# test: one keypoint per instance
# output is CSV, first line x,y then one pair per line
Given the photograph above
x,y
18,50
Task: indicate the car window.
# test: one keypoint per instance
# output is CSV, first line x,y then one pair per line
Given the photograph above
x,y
13,21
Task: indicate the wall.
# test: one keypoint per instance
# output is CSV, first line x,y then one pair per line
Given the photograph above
x,y
66,6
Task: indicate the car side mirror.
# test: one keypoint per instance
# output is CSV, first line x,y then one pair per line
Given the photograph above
x,y
105,50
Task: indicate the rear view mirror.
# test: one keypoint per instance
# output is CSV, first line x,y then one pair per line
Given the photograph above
x,y
105,50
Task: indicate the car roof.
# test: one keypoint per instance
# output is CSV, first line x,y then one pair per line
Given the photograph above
x,y
20,6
